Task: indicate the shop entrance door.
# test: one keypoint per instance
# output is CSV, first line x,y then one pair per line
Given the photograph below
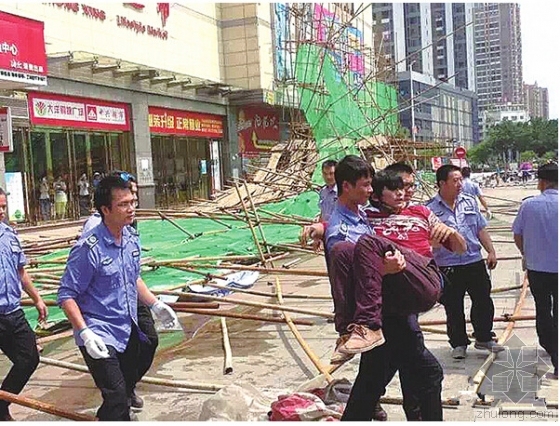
x,y
198,168
60,151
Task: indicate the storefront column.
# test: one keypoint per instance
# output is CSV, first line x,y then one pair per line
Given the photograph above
x,y
2,172
143,150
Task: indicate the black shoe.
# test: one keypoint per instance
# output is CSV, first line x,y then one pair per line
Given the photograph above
x,y
6,418
379,414
136,402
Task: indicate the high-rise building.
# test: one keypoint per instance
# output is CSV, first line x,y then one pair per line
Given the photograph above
x,y
536,100
497,37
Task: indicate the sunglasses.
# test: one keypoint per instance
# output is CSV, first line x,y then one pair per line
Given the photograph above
x,y
127,177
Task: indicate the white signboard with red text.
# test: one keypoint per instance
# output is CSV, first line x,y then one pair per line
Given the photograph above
x,y
47,109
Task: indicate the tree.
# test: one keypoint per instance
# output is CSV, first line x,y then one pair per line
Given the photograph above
x,y
527,156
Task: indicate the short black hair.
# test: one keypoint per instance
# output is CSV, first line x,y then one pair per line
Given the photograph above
x,y
104,192
443,172
327,164
466,172
548,172
399,167
389,179
350,169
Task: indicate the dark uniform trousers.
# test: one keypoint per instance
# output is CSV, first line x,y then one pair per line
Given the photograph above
x,y
544,287
474,280
117,375
420,372
18,343
147,326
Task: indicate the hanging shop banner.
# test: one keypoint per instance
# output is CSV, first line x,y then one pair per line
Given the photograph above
x,y
6,137
48,109
258,130
22,50
185,123
16,200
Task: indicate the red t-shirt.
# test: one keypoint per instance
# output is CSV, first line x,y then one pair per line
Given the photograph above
x,y
411,228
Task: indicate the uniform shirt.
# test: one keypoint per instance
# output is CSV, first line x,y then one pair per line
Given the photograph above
x,y
411,227
101,277
12,260
92,222
327,199
537,223
345,225
471,188
467,220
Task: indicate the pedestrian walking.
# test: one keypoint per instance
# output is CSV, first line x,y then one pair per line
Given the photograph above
x,y
85,198
45,199
328,193
465,273
98,293
535,231
17,339
473,189
60,198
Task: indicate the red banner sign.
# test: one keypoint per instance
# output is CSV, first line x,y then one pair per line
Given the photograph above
x,y
47,109
258,130
175,122
22,50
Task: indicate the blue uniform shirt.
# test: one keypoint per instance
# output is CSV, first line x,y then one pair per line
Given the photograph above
x,y
327,199
92,222
466,219
471,188
345,225
101,277
537,223
12,260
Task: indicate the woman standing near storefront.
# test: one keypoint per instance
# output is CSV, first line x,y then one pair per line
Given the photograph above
x,y
60,198
85,200
45,199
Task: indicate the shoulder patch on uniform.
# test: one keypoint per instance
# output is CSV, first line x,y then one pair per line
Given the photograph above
x,y
438,213
92,240
107,261
136,253
343,229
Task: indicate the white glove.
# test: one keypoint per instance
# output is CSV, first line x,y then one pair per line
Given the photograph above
x,y
166,315
94,344
489,215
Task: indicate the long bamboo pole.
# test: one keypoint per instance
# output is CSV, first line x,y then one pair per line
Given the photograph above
x,y
44,407
176,225
258,221
228,359
314,359
145,379
243,316
265,270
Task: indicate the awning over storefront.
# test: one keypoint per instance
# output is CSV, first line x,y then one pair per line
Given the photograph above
x,y
23,62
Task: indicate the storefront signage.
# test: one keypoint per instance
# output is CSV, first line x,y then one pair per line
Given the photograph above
x,y
6,138
46,109
258,130
22,50
169,121
16,200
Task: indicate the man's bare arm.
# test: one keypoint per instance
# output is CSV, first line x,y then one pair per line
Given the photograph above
x,y
74,314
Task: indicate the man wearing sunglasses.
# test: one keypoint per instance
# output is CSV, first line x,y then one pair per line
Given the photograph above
x,y
145,319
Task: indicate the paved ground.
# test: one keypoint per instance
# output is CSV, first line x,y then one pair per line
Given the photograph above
x,y
268,356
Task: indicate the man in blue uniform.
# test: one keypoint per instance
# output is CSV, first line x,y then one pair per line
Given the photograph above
x,y
17,340
535,231
328,193
473,189
145,320
99,291
465,273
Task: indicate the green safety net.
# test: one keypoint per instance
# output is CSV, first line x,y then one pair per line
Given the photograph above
x,y
339,115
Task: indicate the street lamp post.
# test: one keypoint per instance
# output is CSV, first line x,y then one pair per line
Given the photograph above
x,y
412,117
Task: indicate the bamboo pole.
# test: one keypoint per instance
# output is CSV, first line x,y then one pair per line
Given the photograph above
x,y
228,360
247,303
57,336
207,216
252,204
145,379
505,318
250,223
176,225
242,316
314,359
301,272
44,407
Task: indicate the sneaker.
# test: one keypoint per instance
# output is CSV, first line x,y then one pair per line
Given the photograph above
x,y
339,357
362,339
136,403
459,352
489,346
379,414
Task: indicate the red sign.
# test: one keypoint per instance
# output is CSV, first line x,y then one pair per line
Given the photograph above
x,y
436,163
460,152
258,130
47,109
186,123
22,50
